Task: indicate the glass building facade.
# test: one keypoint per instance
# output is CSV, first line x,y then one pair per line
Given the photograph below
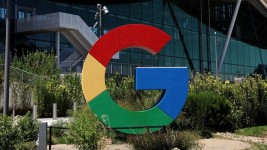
x,y
193,40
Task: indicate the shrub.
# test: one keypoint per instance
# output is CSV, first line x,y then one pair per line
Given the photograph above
x,y
26,146
27,128
59,132
8,134
122,91
183,140
208,110
19,133
83,130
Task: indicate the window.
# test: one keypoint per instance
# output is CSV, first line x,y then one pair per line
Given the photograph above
x,y
3,13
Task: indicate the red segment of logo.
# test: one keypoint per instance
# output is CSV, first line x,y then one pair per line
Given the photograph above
x,y
128,36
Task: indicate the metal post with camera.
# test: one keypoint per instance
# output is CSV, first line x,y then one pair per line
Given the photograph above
x,y
98,15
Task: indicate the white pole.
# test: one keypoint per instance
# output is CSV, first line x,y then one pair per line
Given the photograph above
x,y
58,49
215,51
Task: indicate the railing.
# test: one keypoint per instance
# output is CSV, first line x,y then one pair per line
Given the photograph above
x,y
54,21
112,68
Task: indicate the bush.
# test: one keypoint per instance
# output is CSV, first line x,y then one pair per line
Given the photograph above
x,y
27,128
8,134
26,146
19,133
59,134
83,130
183,140
208,110
122,90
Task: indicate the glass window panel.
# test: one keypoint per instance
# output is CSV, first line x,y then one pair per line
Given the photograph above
x,y
195,24
136,58
248,55
204,47
188,41
135,10
178,13
147,10
186,21
169,61
196,65
45,7
122,20
167,17
233,52
124,57
240,53
123,9
195,40
169,48
158,11
179,51
147,59
109,22
159,60
252,56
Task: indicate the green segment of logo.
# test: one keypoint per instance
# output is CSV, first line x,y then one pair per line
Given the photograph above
x,y
132,122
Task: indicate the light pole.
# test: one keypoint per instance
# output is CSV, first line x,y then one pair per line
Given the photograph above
x,y
7,61
98,16
215,51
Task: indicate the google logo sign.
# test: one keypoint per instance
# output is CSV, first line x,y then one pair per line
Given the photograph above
x,y
172,80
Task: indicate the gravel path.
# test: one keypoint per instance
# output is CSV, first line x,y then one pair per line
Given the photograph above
x,y
243,138
223,144
228,141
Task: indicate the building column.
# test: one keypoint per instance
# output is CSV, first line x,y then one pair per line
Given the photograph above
x,y
58,48
229,35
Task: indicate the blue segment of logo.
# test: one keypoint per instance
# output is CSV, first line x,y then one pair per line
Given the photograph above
x,y
173,80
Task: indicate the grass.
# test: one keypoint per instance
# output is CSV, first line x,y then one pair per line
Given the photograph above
x,y
260,131
257,146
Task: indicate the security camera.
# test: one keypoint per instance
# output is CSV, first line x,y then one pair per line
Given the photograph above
x,y
105,9
98,6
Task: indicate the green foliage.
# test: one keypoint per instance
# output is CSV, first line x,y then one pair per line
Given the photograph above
x,y
183,140
59,132
7,133
40,63
84,130
248,99
26,146
18,133
63,92
122,90
208,110
27,128
258,131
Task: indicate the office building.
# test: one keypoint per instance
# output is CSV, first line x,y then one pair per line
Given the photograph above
x,y
198,29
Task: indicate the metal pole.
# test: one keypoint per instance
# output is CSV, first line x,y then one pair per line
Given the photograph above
x,y
74,106
54,111
100,20
7,61
216,57
229,34
50,137
34,112
58,49
42,136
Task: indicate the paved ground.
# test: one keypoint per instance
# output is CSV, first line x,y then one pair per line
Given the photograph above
x,y
223,144
108,147
224,141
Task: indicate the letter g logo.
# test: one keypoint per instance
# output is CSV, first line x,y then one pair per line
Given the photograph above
x,y
173,80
